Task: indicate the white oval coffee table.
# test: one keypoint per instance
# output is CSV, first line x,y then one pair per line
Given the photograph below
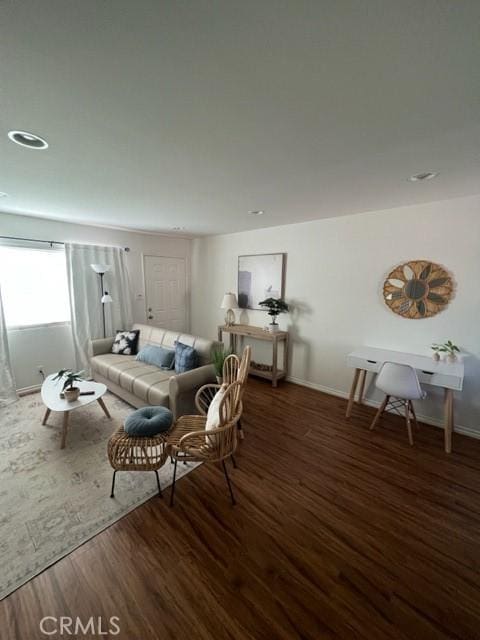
x,y
51,399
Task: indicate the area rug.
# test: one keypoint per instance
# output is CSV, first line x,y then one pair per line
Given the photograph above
x,y
53,500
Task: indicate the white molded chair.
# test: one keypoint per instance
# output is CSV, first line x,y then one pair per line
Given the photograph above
x,y
400,382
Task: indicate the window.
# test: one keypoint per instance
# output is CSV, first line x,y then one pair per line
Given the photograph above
x,y
34,286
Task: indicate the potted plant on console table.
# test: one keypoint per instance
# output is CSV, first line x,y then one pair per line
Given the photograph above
x,y
69,378
275,307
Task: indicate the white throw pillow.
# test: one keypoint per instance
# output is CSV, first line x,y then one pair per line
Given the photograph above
x,y
213,415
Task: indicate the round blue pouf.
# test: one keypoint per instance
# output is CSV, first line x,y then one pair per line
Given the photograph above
x,y
148,421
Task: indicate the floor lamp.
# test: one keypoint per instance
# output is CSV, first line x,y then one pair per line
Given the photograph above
x,y
105,298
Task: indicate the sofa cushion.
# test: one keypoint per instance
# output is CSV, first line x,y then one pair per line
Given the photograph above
x,y
103,363
147,382
158,356
148,421
186,358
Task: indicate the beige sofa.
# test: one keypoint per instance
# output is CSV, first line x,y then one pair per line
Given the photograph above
x,y
142,384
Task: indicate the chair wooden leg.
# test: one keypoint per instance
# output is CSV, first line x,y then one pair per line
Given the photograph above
x,y
417,426
407,418
172,492
381,409
228,482
112,494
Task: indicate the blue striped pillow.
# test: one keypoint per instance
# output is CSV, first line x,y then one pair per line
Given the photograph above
x,y
186,358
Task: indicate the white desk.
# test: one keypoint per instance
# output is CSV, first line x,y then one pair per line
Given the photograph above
x,y
448,375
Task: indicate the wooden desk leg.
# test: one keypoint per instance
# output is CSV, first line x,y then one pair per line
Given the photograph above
x,y
351,398
363,377
274,362
285,355
64,430
45,417
104,407
448,407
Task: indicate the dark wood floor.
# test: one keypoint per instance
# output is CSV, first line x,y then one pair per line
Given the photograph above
x,y
338,533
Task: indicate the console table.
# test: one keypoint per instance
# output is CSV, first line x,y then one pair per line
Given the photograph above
x,y
257,333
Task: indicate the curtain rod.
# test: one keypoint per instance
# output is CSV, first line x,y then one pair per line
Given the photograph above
x,y
50,242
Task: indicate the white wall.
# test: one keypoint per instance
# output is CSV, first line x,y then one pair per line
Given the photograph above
x,y
52,347
334,276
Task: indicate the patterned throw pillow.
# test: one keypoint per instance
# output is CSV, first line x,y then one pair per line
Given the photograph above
x,y
125,342
186,358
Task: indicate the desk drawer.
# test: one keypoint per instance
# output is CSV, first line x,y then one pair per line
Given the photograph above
x,y
439,379
362,363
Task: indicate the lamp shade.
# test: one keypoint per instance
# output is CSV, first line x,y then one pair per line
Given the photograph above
x,y
229,301
101,268
106,298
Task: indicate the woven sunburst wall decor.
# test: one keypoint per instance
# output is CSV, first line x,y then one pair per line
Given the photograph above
x,y
418,289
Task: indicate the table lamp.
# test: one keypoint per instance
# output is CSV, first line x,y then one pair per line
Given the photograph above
x,y
229,302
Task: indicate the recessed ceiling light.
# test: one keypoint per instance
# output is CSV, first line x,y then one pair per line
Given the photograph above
x,y
256,213
426,175
178,228
26,139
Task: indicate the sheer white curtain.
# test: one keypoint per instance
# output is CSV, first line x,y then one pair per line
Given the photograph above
x,y
7,382
85,295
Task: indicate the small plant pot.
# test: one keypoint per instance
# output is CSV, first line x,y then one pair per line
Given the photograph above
x,y
219,379
273,327
436,356
451,357
72,394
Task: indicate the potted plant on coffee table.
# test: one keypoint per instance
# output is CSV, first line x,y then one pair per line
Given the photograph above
x,y
69,378
275,307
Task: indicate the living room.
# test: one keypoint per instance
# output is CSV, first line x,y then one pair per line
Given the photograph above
x,y
240,384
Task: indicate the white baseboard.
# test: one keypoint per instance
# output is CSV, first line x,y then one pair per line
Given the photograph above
x,y
26,390
467,431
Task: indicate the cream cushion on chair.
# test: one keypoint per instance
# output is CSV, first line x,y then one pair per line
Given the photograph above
x,y
213,415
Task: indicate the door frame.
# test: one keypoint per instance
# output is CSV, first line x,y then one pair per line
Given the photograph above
x,y
186,260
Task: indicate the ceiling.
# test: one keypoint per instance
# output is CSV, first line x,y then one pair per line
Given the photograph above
x,y
163,114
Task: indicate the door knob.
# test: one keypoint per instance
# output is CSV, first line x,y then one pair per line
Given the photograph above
x,y
150,317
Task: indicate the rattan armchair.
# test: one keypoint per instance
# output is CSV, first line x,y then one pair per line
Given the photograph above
x,y
190,441
234,370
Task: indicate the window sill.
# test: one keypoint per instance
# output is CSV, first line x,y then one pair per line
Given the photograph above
x,y
45,325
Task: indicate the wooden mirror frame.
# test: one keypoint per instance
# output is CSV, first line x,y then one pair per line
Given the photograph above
x,y
418,289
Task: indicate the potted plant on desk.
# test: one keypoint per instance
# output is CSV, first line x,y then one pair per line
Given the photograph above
x,y
275,307
69,378
448,348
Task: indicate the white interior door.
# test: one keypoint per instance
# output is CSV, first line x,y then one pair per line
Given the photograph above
x,y
165,292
